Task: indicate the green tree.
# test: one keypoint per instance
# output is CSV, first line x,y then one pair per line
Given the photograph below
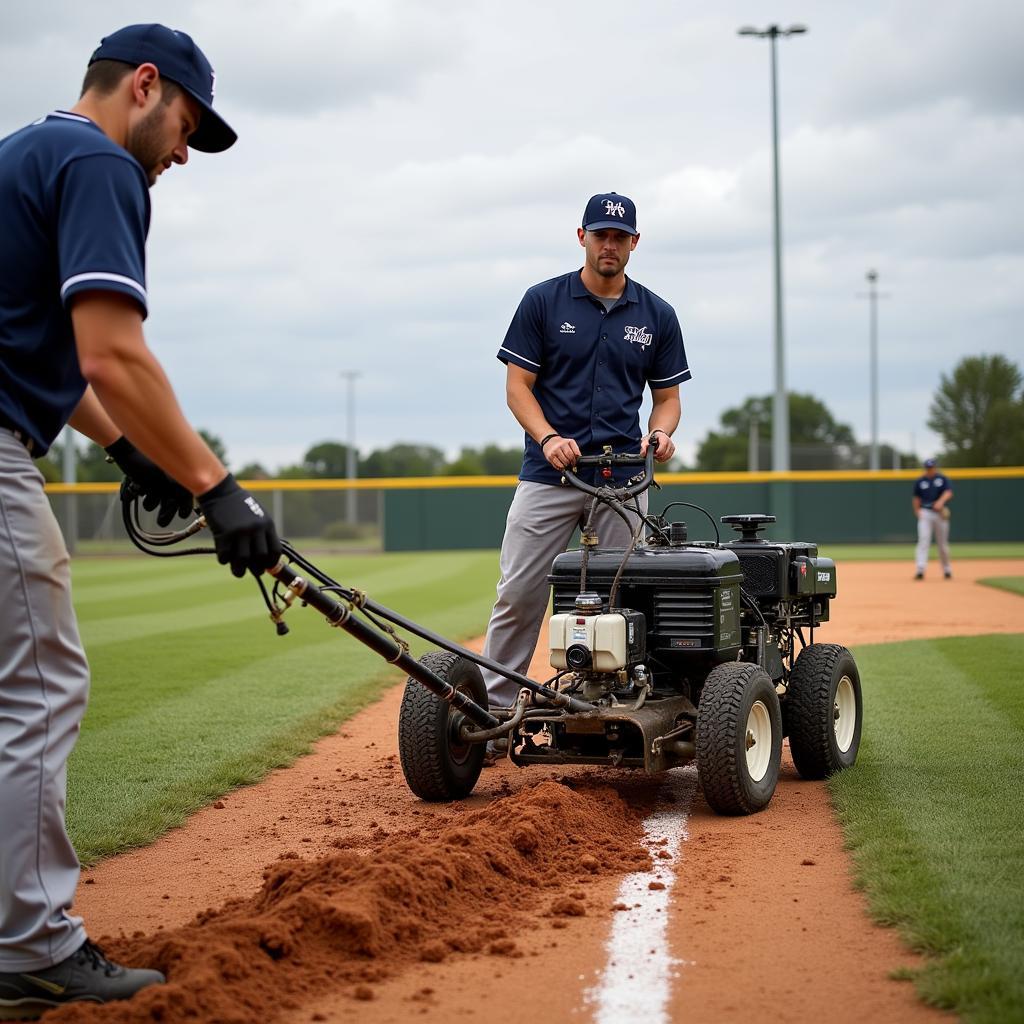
x,y
501,461
327,460
49,468
491,460
810,423
93,466
468,463
253,471
978,411
403,459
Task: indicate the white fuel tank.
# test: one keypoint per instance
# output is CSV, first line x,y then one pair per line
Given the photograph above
x,y
595,643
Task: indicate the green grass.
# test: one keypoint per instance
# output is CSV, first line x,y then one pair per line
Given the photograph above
x,y
193,693
933,814
1014,584
905,552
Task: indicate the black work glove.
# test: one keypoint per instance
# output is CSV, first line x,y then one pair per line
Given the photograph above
x,y
158,490
243,533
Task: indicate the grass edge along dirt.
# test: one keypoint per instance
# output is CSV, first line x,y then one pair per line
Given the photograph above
x,y
193,693
1013,584
905,552
931,814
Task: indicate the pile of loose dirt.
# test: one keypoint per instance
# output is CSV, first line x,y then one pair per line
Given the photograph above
x,y
349,921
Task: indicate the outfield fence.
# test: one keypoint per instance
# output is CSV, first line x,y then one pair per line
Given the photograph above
x,y
444,513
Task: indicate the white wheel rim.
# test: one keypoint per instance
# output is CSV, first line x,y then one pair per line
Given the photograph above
x,y
844,714
758,741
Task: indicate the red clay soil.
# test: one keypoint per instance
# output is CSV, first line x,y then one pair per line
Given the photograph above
x,y
340,895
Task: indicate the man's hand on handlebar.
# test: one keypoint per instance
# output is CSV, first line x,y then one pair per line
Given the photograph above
x,y
561,452
664,446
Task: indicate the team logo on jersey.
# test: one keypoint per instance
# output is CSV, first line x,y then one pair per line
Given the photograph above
x,y
638,336
567,328
614,209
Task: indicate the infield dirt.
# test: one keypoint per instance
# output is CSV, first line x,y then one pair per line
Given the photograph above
x,y
327,892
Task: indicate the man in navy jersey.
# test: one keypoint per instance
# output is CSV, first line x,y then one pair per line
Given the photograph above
x,y
74,204
932,495
579,353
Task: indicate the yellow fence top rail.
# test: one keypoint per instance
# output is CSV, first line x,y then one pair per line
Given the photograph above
x,y
425,482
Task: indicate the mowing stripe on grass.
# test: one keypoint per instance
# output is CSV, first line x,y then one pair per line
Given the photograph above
x,y
932,813
194,693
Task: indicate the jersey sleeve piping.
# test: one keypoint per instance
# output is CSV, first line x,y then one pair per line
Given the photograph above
x,y
515,357
667,382
101,279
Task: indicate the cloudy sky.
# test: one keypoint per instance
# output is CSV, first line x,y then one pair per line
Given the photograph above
x,y
406,170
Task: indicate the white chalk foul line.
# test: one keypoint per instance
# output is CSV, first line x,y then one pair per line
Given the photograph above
x,y
637,978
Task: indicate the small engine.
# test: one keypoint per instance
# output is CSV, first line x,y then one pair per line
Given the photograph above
x,y
684,606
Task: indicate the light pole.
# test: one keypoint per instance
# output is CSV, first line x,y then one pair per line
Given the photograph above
x,y
754,437
350,444
68,465
780,405
872,277
873,296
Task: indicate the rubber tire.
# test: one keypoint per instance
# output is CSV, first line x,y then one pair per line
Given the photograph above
x,y
729,692
434,768
809,708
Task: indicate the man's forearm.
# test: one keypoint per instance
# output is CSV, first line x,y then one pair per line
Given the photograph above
x,y
91,419
527,411
136,395
140,399
665,414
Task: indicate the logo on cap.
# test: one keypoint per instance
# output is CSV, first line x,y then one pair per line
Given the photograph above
x,y
614,209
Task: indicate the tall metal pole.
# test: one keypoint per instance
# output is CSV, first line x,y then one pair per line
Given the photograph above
x,y
780,406
69,467
350,444
780,403
873,295
872,276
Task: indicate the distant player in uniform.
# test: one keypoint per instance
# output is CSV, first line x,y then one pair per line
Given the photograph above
x,y
932,495
74,205
580,352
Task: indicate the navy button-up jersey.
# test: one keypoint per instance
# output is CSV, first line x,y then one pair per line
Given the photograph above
x,y
592,366
930,488
74,209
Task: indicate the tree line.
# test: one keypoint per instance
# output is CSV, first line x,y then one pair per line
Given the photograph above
x,y
977,411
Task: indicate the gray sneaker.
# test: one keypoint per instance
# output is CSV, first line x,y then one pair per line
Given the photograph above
x,y
85,976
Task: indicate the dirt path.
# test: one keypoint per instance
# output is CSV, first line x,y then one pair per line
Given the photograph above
x,y
757,932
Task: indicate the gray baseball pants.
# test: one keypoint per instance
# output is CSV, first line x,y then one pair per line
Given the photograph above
x,y
44,683
540,525
930,521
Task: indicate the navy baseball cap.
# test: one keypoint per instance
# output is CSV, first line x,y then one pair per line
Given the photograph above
x,y
930,463
610,210
178,58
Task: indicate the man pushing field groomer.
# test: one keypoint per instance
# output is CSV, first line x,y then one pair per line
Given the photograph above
x,y
74,203
579,353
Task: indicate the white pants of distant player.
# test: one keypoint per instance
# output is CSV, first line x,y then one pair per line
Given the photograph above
x,y
929,522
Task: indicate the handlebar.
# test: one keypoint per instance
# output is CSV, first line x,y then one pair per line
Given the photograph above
x,y
610,459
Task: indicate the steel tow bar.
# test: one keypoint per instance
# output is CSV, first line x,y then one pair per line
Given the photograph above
x,y
340,615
